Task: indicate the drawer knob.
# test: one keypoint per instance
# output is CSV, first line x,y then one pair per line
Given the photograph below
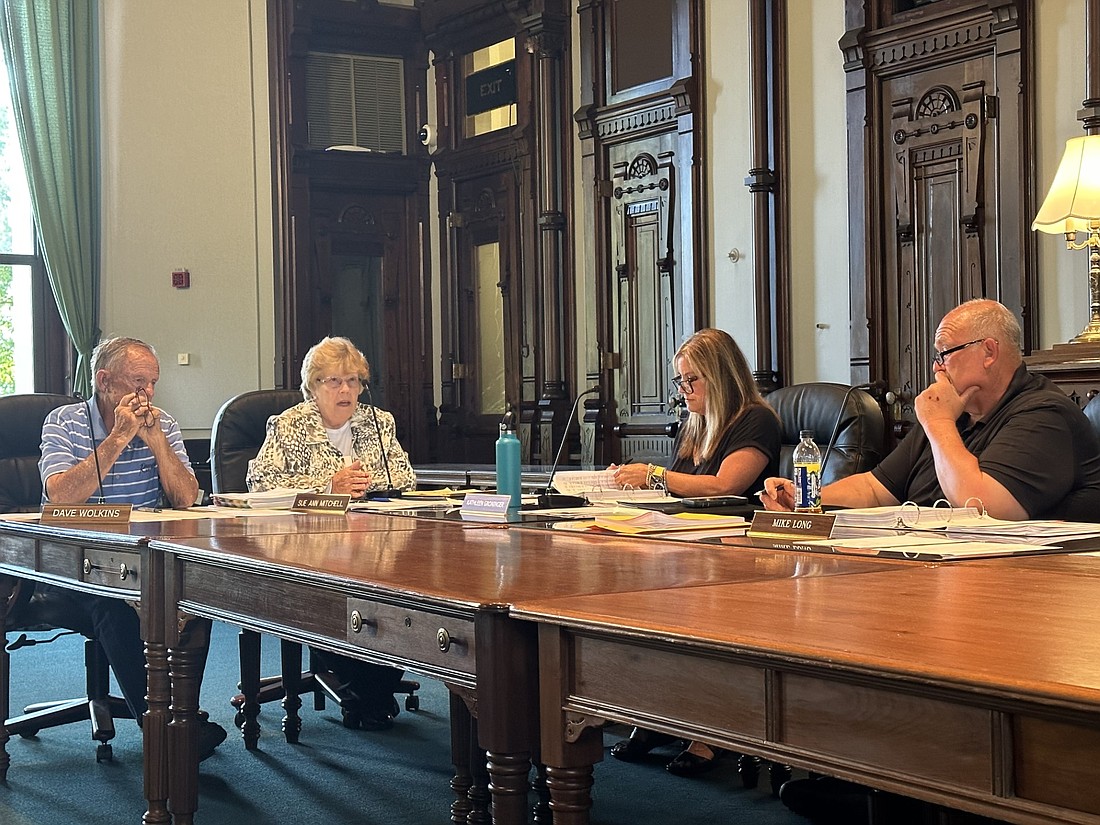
x,y
358,623
443,638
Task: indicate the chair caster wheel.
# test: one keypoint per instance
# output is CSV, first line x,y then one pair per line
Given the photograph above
x,y
104,753
351,719
29,734
412,703
238,718
748,767
778,775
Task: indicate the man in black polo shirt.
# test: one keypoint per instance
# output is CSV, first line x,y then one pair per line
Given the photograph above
x,y
990,433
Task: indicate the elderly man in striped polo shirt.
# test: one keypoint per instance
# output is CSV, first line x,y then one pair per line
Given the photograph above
x,y
119,449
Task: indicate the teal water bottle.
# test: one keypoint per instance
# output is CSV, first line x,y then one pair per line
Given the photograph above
x,y
508,463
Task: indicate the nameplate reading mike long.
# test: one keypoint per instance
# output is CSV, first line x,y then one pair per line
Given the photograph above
x,y
803,525
327,503
86,513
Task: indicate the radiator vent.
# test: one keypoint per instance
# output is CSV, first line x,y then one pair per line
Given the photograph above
x,y
354,99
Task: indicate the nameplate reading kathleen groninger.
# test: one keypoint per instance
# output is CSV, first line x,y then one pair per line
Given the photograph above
x,y
480,506
86,513
802,525
332,503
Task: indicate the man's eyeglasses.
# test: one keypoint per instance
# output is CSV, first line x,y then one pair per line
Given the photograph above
x,y
684,384
939,356
334,382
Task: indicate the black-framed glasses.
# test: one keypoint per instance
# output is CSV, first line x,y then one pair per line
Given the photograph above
x,y
334,382
684,384
939,356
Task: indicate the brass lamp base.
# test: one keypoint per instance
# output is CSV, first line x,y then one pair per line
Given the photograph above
x,y
1089,335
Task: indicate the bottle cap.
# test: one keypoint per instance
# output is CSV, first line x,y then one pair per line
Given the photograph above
x,y
806,434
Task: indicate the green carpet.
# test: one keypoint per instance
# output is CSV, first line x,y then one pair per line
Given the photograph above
x,y
399,777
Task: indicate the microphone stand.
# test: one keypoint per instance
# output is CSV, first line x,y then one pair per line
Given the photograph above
x,y
389,492
95,451
548,500
870,385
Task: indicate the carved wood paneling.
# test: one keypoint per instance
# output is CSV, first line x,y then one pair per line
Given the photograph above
x,y
640,149
940,116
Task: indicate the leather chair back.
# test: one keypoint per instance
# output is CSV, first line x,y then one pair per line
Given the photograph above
x,y
860,438
238,433
1092,413
1083,505
21,418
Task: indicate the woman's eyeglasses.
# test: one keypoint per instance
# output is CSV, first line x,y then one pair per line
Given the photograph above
x,y
333,382
684,384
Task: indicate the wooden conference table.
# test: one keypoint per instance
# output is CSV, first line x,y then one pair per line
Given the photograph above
x,y
975,685
432,597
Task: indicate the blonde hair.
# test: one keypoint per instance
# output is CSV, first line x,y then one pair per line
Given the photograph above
x,y
332,356
731,389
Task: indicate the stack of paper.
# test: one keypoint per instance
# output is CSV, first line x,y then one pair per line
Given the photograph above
x,y
907,515
651,521
280,498
600,486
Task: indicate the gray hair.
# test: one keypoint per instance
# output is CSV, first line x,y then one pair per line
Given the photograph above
x,y
110,351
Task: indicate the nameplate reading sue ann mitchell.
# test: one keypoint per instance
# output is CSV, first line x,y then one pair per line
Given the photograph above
x,y
801,525
482,506
328,503
86,513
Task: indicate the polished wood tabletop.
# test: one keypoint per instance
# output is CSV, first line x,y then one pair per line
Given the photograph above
x,y
433,596
975,685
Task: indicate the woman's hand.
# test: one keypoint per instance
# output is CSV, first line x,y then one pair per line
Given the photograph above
x,y
352,480
631,476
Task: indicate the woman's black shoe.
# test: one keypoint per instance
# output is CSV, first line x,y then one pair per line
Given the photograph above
x,y
640,743
688,763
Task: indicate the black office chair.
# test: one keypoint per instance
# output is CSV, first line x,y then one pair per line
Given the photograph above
x,y
28,610
860,427
236,437
1083,505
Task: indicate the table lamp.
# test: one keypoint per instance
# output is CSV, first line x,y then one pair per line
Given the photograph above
x,y
1073,205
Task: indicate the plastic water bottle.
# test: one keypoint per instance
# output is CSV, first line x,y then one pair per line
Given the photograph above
x,y
807,474
508,463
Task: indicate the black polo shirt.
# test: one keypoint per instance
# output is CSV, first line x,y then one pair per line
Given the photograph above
x,y
1036,442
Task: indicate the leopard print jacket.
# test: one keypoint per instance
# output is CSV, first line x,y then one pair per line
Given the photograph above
x,y
296,454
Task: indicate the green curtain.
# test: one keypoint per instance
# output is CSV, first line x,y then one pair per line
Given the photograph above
x,y
51,50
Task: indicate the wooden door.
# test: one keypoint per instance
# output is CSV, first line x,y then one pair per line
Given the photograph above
x,y
940,109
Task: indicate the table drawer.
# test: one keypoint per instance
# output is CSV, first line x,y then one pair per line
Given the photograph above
x,y
120,570
419,635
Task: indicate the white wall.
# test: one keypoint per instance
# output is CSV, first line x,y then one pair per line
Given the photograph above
x,y
818,181
729,156
186,181
1060,58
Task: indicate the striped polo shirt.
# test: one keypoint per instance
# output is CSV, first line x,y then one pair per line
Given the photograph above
x,y
132,479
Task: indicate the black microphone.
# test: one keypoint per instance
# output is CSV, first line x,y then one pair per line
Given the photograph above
x,y
95,449
548,500
389,492
870,386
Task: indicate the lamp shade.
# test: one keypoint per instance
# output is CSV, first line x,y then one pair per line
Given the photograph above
x,y
1073,201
